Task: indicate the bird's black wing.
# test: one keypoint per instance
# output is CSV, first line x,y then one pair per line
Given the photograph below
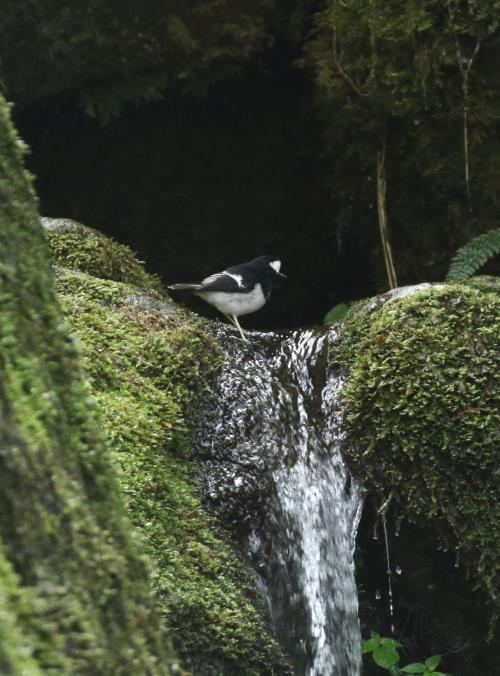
x,y
227,282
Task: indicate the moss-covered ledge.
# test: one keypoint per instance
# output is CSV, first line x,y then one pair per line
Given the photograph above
x,y
79,247
422,401
145,358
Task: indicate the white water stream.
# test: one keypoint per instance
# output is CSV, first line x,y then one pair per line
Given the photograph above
x,y
273,464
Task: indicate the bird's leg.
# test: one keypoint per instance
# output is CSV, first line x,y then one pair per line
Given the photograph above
x,y
233,326
239,327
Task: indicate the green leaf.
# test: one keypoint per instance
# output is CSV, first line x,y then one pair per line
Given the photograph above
x,y
414,668
474,255
336,314
390,643
432,662
370,645
373,634
424,24
385,657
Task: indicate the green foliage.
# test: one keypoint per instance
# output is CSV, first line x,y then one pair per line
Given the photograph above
x,y
388,74
337,313
76,597
111,54
102,257
423,414
143,368
385,654
471,257
384,73
383,650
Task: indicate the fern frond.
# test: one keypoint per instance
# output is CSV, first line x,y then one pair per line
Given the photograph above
x,y
474,255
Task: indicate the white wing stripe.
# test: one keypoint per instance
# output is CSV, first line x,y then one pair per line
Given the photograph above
x,y
237,278
212,278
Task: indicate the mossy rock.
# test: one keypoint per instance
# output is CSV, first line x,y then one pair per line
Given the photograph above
x,y
484,282
144,365
16,604
422,417
75,588
107,292
144,358
74,584
78,247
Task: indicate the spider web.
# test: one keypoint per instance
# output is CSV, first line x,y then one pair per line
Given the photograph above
x,y
432,629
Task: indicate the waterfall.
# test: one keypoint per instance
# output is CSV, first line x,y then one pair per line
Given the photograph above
x,y
272,467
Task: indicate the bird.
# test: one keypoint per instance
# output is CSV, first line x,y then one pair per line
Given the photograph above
x,y
239,290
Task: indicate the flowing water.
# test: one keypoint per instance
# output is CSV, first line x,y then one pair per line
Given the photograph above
x,y
272,467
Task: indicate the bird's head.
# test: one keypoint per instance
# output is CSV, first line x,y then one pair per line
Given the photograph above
x,y
271,263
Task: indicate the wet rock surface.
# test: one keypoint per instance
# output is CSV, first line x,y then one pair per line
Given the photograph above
x,y
68,225
268,446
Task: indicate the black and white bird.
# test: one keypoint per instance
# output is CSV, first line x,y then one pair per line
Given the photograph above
x,y
239,290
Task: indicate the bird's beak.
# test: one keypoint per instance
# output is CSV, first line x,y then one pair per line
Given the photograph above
x,y
280,274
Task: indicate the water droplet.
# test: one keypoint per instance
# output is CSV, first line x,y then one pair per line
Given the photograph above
x,y
393,629
378,595
398,570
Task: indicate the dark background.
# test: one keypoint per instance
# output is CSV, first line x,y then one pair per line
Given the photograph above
x,y
195,186
203,134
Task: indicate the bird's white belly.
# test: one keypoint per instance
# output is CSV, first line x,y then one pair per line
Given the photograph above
x,y
235,303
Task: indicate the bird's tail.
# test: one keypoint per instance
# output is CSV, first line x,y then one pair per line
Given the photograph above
x,y
185,287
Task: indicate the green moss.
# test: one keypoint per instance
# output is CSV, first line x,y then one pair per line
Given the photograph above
x,y
16,649
484,282
101,257
143,368
83,602
423,414
105,291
